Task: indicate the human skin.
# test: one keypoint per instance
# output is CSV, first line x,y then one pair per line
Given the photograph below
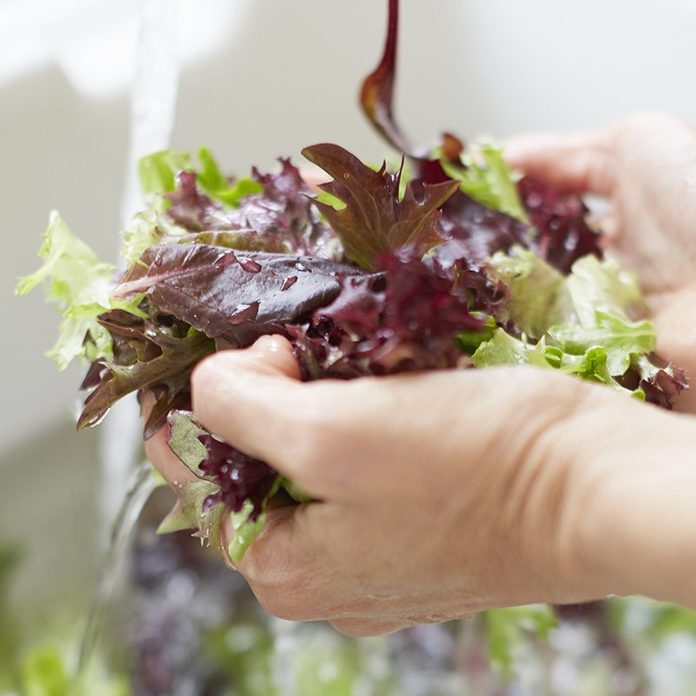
x,y
442,494
646,168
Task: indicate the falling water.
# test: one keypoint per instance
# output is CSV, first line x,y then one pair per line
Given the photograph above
x,y
152,114
153,106
141,486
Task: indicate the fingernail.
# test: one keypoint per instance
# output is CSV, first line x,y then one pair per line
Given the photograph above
x,y
269,344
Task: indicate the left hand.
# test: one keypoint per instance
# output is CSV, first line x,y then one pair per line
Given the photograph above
x,y
645,167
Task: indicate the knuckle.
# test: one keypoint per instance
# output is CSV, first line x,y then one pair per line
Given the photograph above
x,y
283,604
280,589
316,429
205,373
322,435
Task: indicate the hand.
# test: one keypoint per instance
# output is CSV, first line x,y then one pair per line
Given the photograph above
x,y
447,493
646,168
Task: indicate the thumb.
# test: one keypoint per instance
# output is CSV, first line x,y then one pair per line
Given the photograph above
x,y
573,163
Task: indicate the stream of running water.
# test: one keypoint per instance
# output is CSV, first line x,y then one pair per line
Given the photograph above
x,y
125,487
152,116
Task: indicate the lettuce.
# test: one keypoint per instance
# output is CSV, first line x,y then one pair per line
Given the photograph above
x,y
375,219
159,171
484,175
462,265
79,285
539,297
580,324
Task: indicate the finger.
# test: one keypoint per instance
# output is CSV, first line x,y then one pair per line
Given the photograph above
x,y
253,399
574,164
298,569
242,394
174,471
362,628
324,436
286,568
608,225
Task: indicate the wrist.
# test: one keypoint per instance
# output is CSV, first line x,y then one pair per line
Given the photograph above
x,y
636,531
569,467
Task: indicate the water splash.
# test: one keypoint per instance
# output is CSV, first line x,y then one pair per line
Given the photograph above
x,y
141,486
154,93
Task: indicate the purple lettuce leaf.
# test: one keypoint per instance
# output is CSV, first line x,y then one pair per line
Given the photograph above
x,y
279,219
377,92
564,234
149,354
229,485
375,220
285,210
664,386
561,234
406,317
192,209
236,296
475,232
239,477
661,381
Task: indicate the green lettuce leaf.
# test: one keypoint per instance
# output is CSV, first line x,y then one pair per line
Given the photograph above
x,y
157,171
598,285
470,341
78,283
245,530
484,176
158,176
621,339
588,309
189,512
184,442
596,339
603,299
504,349
218,186
538,297
592,365
145,230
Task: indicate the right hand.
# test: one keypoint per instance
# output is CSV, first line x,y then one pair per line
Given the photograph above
x,y
646,168
440,494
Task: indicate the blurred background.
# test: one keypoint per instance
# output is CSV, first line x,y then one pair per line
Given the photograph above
x,y
258,80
